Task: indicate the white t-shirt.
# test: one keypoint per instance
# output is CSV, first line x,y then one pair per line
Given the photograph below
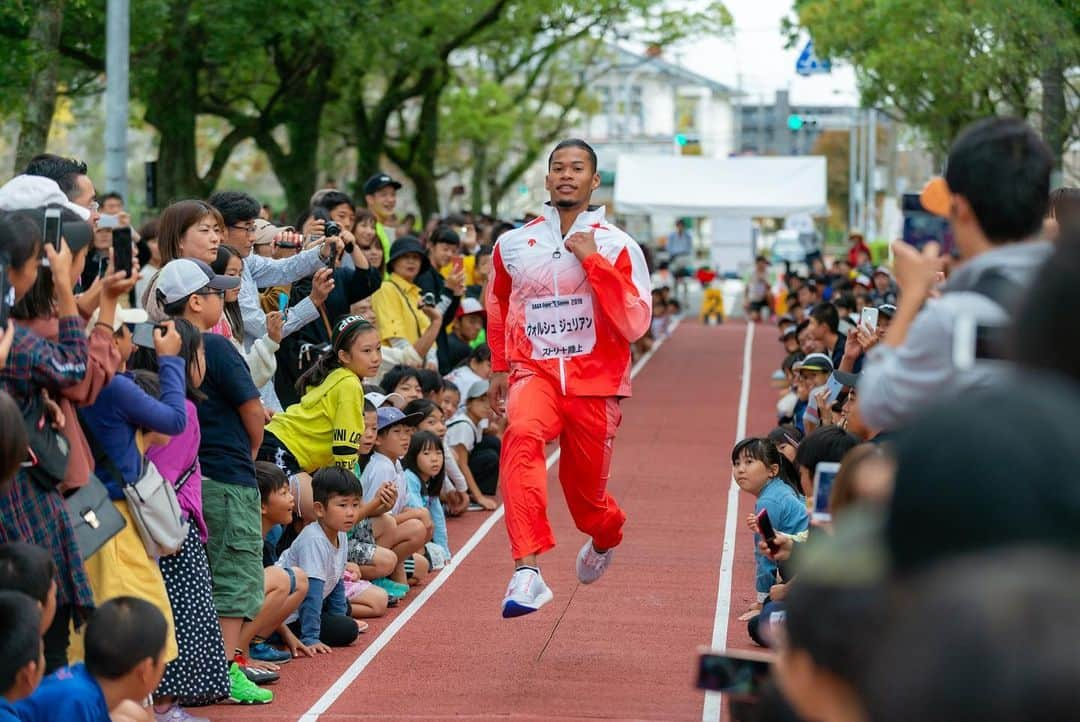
x,y
464,378
313,552
461,431
455,480
381,469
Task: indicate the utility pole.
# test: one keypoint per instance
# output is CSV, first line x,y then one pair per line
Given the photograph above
x,y
117,42
871,166
853,170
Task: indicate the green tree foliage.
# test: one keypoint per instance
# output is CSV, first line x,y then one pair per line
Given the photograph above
x,y
474,85
943,64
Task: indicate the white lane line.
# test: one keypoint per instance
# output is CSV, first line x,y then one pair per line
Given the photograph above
x,y
713,700
360,663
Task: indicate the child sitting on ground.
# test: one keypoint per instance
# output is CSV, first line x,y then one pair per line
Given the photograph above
x,y
22,653
455,491
125,659
285,587
367,560
477,368
424,474
403,530
757,467
463,433
450,399
404,381
321,549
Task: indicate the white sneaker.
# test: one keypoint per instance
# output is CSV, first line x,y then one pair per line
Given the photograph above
x,y
526,593
591,564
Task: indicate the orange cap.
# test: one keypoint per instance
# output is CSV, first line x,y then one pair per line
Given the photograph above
x,y
936,196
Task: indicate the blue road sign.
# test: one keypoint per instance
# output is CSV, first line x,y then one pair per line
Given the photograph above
x,y
809,63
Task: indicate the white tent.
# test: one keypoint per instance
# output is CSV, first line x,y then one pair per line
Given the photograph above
x,y
748,187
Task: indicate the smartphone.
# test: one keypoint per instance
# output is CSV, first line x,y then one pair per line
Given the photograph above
x,y
282,302
736,672
122,256
824,474
143,335
7,293
458,264
869,318
766,528
108,220
54,227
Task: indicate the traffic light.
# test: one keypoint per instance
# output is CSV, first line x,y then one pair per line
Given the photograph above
x,y
794,122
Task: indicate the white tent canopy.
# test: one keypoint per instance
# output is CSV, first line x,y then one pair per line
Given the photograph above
x,y
748,187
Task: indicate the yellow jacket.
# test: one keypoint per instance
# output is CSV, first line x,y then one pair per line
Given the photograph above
x,y
326,426
397,310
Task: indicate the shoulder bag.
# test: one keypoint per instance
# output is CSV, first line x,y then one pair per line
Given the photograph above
x,y
93,517
151,501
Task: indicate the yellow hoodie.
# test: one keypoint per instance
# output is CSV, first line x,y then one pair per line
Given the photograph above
x,y
326,426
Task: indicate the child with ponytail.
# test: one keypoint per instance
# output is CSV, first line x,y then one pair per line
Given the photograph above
x,y
325,427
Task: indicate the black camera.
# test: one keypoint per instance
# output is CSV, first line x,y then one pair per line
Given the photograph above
x,y
331,229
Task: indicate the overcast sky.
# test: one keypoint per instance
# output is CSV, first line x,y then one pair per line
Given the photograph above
x,y
756,60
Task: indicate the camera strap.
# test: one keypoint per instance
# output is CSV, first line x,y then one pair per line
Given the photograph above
x,y
408,305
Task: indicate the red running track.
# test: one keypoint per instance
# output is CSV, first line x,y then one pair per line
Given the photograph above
x,y
623,649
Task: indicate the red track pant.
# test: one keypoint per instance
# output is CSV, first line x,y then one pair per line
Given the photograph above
x,y
585,425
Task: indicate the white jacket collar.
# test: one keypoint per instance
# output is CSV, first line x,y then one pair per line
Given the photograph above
x,y
590,216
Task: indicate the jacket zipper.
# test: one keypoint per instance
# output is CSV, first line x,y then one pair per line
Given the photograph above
x,y
555,256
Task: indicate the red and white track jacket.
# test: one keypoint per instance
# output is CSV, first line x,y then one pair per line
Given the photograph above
x,y
574,321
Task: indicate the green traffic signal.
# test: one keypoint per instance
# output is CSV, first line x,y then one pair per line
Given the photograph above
x,y
794,122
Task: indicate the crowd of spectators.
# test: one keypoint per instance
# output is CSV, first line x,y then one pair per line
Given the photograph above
x,y
921,498
226,442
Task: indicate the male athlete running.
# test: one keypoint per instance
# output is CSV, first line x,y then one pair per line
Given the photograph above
x,y
568,295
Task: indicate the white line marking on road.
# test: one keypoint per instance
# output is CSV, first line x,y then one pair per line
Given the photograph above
x,y
713,700
360,663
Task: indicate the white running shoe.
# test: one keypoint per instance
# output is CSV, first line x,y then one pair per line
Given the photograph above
x,y
591,564
526,593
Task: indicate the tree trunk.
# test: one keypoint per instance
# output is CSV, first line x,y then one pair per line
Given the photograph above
x,y
37,115
1053,114
297,170
172,110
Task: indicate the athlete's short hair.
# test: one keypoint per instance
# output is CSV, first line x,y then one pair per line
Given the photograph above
x,y
575,143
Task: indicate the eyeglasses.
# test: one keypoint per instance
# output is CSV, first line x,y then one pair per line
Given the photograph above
x,y
93,206
249,228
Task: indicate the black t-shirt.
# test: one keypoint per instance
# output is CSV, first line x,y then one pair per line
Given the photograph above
x,y
456,352
225,451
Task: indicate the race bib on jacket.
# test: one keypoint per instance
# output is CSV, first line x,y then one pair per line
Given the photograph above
x,y
560,327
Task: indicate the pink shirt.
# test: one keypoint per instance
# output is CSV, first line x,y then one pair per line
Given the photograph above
x,y
175,458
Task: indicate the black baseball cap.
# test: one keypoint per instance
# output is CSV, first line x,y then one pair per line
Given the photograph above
x,y
379,181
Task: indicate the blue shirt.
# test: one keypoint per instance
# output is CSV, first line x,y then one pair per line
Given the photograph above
x,y
8,713
787,512
68,695
417,498
123,407
225,448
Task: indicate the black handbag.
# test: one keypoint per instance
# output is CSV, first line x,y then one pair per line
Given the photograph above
x,y
93,516
48,449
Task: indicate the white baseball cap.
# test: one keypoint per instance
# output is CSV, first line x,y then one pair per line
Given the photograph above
x,y
184,276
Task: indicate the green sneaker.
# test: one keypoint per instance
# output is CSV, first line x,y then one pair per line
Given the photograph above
x,y
391,587
244,691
